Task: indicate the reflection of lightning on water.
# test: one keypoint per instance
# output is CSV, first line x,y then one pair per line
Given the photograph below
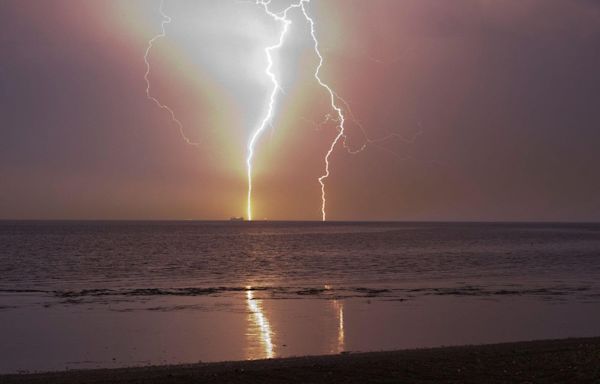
x,y
341,333
341,337
166,20
261,322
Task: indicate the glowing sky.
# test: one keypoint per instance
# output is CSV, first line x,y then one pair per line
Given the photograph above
x,y
501,99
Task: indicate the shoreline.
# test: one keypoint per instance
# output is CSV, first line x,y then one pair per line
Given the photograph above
x,y
573,360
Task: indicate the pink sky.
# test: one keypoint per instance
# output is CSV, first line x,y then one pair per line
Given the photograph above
x,y
503,96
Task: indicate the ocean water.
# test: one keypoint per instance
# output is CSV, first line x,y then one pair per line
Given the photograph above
x,y
108,294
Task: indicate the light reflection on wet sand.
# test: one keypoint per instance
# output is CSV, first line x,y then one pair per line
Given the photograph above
x,y
253,325
259,330
338,307
261,337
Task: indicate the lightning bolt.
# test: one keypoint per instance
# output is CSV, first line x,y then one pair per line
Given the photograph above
x,y
282,18
374,141
337,104
166,20
332,97
341,118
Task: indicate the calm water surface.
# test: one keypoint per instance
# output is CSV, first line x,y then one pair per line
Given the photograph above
x,y
108,294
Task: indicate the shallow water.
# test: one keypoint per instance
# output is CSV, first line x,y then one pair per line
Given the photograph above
x,y
106,294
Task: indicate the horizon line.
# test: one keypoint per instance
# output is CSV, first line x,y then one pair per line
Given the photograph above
x,y
398,221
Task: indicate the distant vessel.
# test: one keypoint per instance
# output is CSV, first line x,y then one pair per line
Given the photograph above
x,y
241,218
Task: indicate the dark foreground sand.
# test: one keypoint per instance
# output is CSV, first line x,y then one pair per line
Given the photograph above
x,y
553,361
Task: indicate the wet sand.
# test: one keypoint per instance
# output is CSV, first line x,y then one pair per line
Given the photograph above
x,y
549,361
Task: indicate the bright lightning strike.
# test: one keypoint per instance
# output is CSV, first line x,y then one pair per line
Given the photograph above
x,y
282,18
166,20
340,120
332,96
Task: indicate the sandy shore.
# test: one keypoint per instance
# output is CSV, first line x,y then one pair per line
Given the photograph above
x,y
551,361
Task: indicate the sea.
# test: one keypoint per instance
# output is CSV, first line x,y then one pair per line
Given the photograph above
x,y
105,294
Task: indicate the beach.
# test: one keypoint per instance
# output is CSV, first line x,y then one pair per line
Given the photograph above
x,y
299,191
549,361
112,295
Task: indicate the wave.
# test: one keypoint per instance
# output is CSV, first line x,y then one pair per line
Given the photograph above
x,y
281,292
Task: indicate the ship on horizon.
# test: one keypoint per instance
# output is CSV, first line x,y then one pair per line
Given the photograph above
x,y
233,218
